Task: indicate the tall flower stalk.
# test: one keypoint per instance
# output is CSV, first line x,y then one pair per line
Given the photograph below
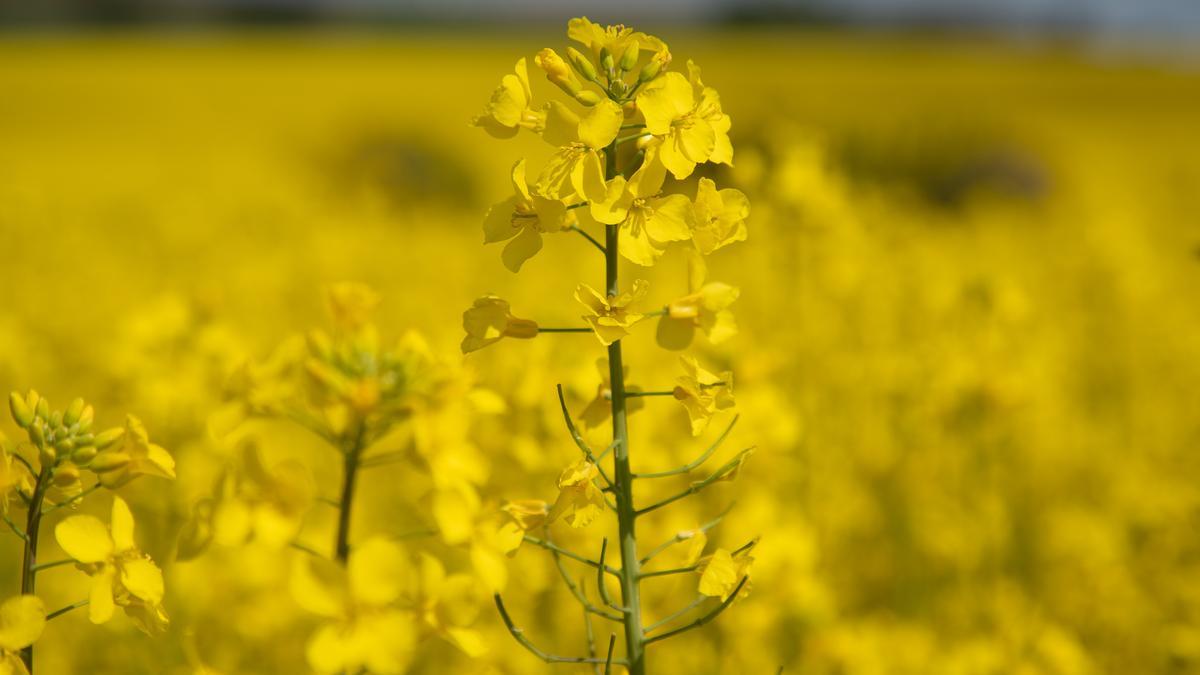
x,y
629,122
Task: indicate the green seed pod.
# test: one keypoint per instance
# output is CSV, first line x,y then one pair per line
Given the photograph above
x,y
630,58
84,454
43,408
22,414
74,412
581,63
109,461
588,98
106,438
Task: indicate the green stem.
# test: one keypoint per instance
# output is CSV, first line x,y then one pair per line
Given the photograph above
x,y
564,330
349,474
45,566
63,610
29,560
635,657
633,394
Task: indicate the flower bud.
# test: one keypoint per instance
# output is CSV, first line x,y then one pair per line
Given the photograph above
x,y
56,419
587,97
659,61
618,87
47,456
36,435
74,412
66,475
84,454
108,437
606,61
43,408
557,71
65,446
86,418
22,414
109,461
521,329
581,63
630,58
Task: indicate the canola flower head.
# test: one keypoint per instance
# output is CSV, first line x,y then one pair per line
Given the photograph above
x,y
705,308
122,575
611,317
510,107
686,117
22,620
522,219
575,172
648,220
489,320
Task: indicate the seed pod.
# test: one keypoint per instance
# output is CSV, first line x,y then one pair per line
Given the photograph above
x,y
630,58
67,474
106,438
109,461
21,412
84,454
74,412
581,63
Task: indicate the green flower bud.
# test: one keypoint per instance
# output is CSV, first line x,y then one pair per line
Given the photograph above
x,y
587,97
36,435
606,60
109,461
86,418
66,475
618,87
56,419
65,446
47,456
84,454
630,58
74,412
84,439
581,63
22,414
43,408
106,438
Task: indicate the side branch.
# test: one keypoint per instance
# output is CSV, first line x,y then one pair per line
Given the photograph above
x,y
692,489
551,546
578,437
695,462
519,635
704,619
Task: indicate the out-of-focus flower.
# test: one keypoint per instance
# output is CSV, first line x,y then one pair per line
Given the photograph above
x,y
579,500
448,604
704,308
611,317
523,515
702,393
22,619
366,628
649,221
489,320
522,219
721,572
510,107
719,216
122,576
687,117
253,502
351,304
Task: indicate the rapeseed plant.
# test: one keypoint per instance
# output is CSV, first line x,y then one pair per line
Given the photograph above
x,y
599,180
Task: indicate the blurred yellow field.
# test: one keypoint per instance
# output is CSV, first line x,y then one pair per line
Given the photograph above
x,y
966,349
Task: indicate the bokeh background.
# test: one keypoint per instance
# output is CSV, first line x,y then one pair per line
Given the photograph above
x,y
969,345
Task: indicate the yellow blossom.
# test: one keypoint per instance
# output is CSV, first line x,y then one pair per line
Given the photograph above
x,y
523,515
489,320
648,220
351,304
611,317
579,500
575,172
510,108
617,40
522,219
137,456
253,502
721,572
365,629
687,117
719,216
557,71
704,308
448,604
122,576
22,619
702,393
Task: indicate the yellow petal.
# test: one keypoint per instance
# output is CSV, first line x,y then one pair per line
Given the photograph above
x,y
386,642
142,578
562,125
675,334
615,205
523,247
720,576
671,154
498,223
318,586
84,538
22,619
587,177
329,651
379,572
671,219
122,526
669,99
599,126
100,597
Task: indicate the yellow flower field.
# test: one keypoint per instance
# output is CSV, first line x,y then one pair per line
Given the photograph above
x,y
948,292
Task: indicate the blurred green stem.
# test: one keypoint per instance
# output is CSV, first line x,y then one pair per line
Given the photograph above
x,y
349,476
29,560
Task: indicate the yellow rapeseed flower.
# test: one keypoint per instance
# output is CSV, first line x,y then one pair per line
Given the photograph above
x,y
702,393
704,308
617,39
719,217
686,116
489,320
22,619
611,317
254,502
575,172
721,572
522,219
579,500
137,456
510,108
122,576
649,221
